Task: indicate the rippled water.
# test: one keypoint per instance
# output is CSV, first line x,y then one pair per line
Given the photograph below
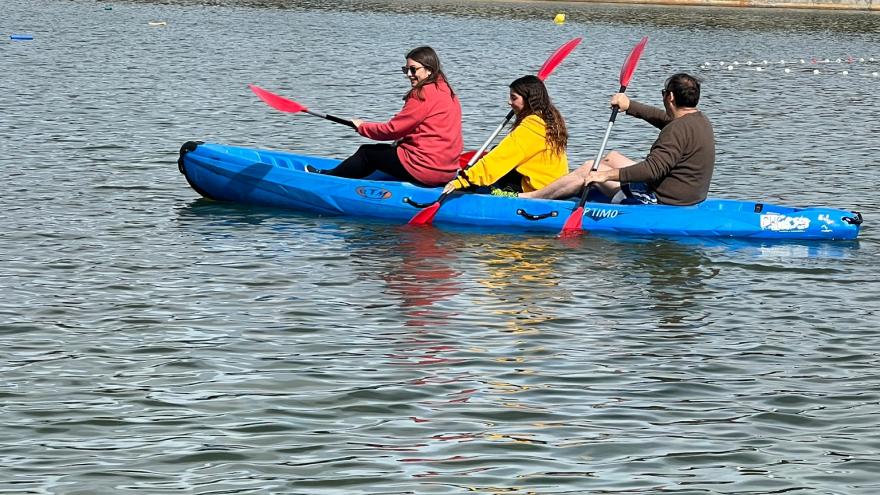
x,y
155,342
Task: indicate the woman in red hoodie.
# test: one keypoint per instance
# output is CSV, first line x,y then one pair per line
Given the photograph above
x,y
426,132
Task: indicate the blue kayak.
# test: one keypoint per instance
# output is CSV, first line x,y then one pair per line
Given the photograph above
x,y
278,179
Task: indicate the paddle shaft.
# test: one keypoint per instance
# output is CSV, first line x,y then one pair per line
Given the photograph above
x,y
283,104
485,145
479,153
331,118
614,111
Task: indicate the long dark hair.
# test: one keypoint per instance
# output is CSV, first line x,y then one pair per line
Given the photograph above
x,y
426,56
537,102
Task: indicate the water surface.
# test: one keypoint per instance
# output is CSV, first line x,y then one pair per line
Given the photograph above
x,y
156,342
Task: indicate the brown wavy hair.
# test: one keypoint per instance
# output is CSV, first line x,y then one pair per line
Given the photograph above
x,y
537,101
426,56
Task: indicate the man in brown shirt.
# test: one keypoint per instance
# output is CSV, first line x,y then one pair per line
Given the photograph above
x,y
677,170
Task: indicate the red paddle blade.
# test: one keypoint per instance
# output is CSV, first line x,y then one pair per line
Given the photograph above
x,y
466,157
277,102
557,58
426,216
632,61
574,223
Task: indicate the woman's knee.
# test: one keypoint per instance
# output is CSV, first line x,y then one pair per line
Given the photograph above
x,y
366,149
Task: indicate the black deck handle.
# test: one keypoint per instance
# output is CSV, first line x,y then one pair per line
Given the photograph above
x,y
529,216
856,220
415,204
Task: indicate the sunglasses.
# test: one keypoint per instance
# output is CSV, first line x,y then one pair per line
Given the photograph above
x,y
664,92
411,69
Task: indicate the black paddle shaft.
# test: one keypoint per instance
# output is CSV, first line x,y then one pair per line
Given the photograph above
x,y
338,120
332,118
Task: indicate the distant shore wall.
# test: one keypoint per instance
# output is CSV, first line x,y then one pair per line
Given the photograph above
x,y
868,5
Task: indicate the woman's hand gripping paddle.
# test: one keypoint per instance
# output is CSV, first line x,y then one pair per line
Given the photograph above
x,y
426,215
574,223
284,105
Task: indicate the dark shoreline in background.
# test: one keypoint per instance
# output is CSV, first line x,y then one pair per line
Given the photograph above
x,y
863,5
818,5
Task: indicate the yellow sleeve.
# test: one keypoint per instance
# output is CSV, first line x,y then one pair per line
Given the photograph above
x,y
498,162
460,183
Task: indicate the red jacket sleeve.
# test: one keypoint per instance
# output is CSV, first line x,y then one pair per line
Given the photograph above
x,y
412,114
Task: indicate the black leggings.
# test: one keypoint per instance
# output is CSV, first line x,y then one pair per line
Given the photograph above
x,y
512,181
370,158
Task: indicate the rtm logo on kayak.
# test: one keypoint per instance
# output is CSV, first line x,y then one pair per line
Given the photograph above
x,y
376,193
600,213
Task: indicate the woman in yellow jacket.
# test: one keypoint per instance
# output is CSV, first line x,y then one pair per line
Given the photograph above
x,y
532,155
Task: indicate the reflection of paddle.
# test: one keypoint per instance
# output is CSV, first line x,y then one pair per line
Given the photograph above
x,y
426,215
574,223
284,105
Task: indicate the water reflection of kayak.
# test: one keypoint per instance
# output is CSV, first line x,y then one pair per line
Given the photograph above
x,y
278,179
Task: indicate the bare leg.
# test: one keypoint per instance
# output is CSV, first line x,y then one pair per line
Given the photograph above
x,y
573,183
612,160
562,187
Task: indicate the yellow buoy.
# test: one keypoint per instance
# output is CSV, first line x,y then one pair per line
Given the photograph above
x,y
559,19
157,23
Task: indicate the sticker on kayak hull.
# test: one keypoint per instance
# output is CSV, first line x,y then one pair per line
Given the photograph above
x,y
827,222
782,223
376,193
598,214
